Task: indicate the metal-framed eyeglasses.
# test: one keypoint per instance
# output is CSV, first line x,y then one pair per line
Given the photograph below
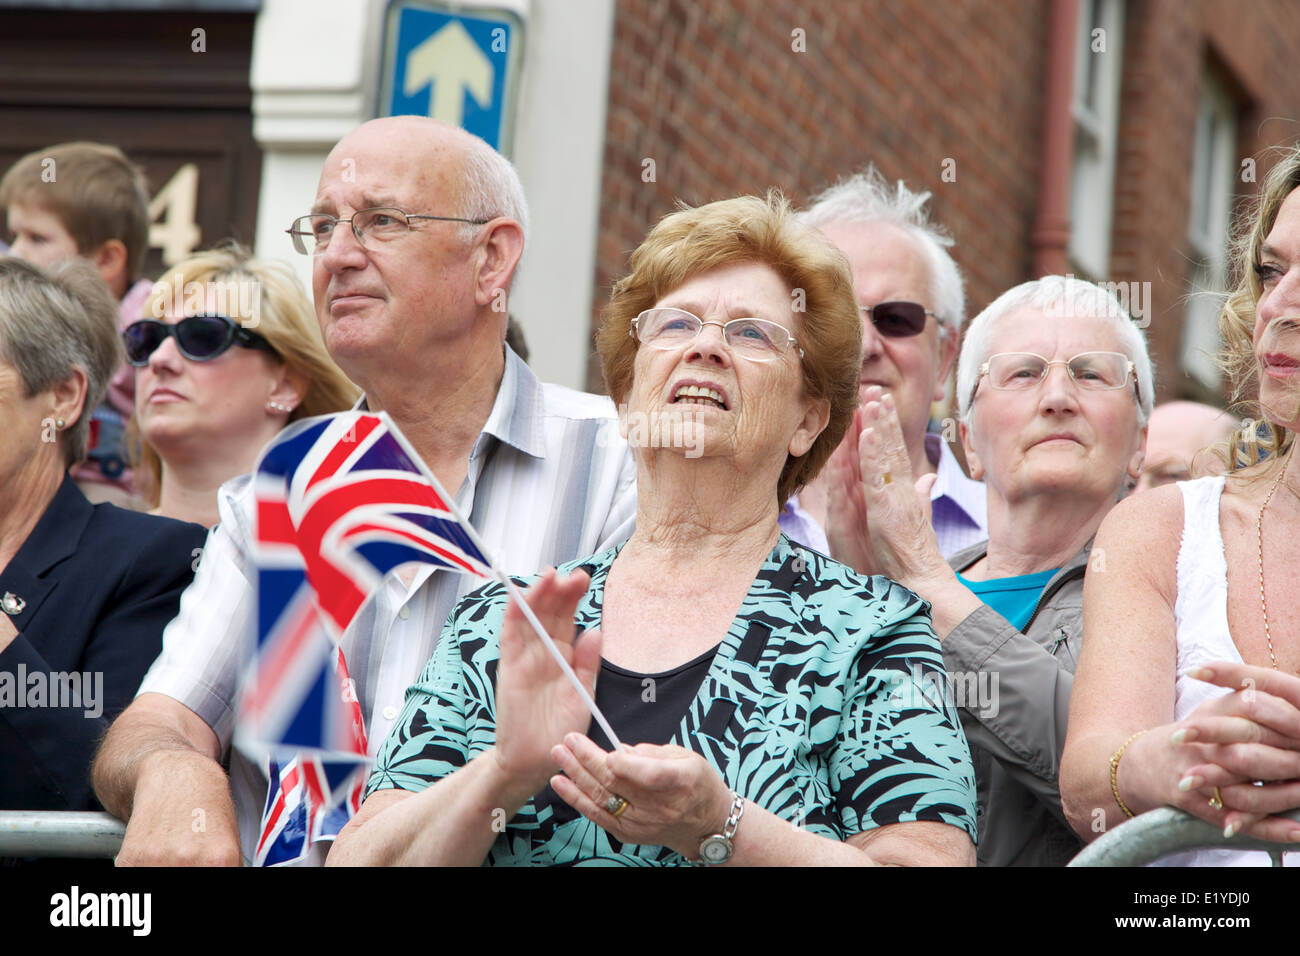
x,y
757,340
380,224
1093,371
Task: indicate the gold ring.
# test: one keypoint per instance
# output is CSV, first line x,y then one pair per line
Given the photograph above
x,y
887,478
615,805
1216,801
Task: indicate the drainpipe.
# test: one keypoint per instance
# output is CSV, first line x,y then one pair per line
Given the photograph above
x,y
1051,232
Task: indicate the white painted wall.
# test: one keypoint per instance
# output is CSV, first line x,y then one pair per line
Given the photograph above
x,y
559,151
314,77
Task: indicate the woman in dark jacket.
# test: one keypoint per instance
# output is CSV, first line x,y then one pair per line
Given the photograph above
x,y
85,589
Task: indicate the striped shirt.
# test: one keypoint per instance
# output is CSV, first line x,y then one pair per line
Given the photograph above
x,y
549,480
958,505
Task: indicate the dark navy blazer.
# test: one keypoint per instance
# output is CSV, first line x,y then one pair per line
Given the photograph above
x,y
97,584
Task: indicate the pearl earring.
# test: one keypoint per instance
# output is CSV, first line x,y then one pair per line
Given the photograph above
x,y
277,407
59,423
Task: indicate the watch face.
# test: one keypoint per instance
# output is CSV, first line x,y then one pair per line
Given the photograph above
x,y
715,849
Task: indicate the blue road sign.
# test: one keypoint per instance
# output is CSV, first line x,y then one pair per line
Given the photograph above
x,y
458,67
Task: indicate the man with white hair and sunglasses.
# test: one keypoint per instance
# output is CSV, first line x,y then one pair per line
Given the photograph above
x,y
910,291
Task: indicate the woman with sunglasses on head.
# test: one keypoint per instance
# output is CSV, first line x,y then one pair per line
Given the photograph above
x,y
230,354
776,699
1055,388
1188,691
85,590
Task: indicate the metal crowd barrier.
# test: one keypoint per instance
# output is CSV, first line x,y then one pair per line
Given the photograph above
x,y
49,833
1160,832
33,833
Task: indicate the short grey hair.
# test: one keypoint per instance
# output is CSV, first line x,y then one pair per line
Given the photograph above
x,y
867,197
55,321
1055,297
491,188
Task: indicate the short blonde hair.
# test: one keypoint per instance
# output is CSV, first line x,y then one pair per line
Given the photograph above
x,y
260,295
693,241
52,322
1237,318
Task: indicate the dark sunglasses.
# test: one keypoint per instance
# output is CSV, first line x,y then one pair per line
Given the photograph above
x,y
200,338
896,320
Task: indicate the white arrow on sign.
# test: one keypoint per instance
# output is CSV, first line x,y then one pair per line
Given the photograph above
x,y
453,63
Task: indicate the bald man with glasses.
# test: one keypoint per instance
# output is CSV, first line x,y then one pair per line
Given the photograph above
x,y
414,237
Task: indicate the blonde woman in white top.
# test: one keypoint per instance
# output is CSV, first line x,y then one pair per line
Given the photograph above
x,y
1187,691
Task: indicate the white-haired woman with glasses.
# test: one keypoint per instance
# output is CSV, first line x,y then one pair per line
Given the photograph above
x,y
1187,692
762,684
1054,385
228,354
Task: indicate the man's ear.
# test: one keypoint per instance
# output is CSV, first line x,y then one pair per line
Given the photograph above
x,y
500,251
110,260
973,463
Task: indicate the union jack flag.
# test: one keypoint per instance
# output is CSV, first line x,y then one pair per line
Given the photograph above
x,y
340,502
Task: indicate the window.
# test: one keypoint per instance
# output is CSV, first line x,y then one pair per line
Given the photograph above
x,y
1098,61
1214,171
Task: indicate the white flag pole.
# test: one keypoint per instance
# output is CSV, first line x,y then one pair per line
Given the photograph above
x,y
503,579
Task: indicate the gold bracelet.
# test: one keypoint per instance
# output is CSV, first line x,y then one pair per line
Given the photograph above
x,y
1114,767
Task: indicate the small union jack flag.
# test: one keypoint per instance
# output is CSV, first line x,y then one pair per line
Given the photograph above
x,y
340,502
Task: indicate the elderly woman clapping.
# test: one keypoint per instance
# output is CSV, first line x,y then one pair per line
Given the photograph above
x,y
1055,389
763,684
85,590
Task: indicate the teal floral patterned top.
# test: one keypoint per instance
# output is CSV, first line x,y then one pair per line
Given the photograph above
x,y
820,705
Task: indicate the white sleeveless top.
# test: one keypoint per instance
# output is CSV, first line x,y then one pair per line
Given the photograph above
x,y
1201,620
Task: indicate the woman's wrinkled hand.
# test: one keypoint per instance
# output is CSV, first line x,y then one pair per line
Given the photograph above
x,y
902,537
1247,744
536,703
847,528
674,797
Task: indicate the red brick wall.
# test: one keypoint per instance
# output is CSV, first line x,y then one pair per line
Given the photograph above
x,y
1168,43
712,91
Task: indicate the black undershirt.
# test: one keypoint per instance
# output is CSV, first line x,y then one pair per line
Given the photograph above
x,y
646,708
642,709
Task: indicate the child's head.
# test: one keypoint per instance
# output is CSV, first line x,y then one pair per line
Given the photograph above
x,y
83,199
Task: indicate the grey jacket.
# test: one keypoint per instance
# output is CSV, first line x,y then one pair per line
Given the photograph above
x,y
1016,721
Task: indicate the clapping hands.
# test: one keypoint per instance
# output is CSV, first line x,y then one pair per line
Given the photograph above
x,y
878,513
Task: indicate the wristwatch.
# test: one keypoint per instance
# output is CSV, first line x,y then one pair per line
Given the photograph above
x,y
717,849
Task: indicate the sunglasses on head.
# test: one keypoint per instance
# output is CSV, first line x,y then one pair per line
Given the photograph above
x,y
896,320
200,338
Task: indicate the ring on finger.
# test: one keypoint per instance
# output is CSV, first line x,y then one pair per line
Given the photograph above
x,y
887,478
615,805
1216,801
